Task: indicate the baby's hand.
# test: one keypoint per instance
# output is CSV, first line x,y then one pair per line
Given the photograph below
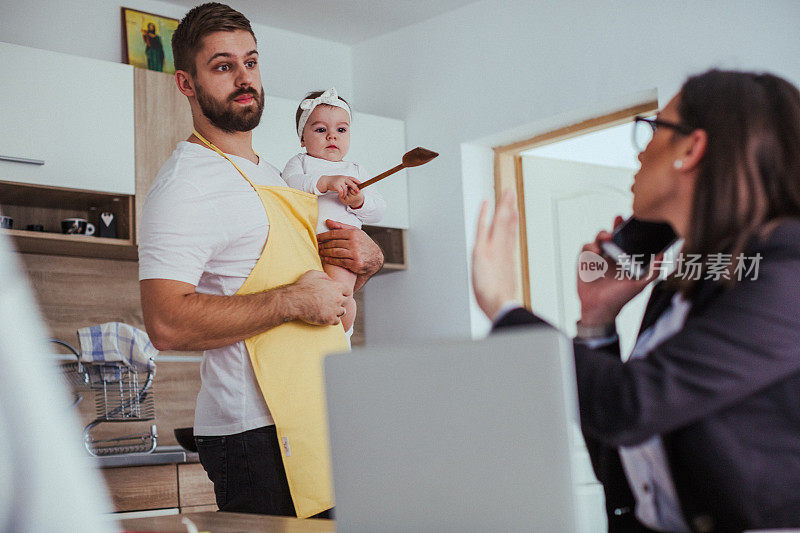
x,y
342,185
354,199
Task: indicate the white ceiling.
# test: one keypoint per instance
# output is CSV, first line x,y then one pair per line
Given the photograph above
x,y
344,21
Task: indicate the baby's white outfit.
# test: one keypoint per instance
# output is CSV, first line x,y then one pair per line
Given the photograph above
x,y
303,172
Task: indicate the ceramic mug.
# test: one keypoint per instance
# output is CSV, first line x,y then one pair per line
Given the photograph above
x,y
80,226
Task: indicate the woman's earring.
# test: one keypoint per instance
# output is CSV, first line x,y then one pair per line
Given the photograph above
x,y
678,164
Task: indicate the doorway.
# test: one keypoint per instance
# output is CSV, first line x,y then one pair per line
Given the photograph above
x,y
570,183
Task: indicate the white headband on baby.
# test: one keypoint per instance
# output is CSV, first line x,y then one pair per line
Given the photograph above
x,y
329,97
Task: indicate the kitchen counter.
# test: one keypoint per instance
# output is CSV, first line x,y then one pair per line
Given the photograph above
x,y
139,484
162,455
229,523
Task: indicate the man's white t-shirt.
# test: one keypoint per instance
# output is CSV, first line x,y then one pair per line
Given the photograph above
x,y
203,224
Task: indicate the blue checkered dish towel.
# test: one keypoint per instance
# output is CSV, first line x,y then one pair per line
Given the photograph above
x,y
116,343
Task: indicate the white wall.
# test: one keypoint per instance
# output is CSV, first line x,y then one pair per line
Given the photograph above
x,y
508,69
93,28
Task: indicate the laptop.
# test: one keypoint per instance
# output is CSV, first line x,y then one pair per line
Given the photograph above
x,y
454,436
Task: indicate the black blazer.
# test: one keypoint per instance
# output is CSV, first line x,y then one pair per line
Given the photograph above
x,y
723,393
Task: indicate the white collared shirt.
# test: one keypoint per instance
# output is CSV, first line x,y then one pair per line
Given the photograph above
x,y
645,464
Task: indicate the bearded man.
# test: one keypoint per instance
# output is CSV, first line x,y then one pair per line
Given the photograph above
x,y
228,265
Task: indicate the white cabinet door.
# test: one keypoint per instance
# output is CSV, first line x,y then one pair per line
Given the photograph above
x,y
73,113
275,138
376,143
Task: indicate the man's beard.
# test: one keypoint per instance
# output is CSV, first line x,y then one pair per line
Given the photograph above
x,y
225,116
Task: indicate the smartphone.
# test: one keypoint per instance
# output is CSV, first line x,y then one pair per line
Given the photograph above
x,y
634,243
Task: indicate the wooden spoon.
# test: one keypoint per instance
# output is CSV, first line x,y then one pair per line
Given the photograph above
x,y
413,158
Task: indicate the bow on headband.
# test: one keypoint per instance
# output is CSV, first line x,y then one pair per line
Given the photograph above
x,y
329,97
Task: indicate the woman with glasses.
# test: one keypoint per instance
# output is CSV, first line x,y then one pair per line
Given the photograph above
x,y
700,428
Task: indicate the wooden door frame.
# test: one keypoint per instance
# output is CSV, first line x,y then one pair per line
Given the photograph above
x,y
508,173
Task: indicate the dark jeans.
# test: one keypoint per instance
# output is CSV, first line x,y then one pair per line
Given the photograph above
x,y
247,472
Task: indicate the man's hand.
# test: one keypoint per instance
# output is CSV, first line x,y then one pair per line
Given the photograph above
x,y
317,299
349,247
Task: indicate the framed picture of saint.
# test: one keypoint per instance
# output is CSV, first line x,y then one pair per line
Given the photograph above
x,y
147,40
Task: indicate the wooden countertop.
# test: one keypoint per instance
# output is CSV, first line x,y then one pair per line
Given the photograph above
x,y
218,522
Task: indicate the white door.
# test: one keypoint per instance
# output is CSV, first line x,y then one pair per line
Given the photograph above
x,y
566,204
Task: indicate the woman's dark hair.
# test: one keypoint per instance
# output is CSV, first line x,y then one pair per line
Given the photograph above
x,y
199,22
749,177
312,94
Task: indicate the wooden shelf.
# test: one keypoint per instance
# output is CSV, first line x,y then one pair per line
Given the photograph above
x,y
36,242
47,206
392,242
392,267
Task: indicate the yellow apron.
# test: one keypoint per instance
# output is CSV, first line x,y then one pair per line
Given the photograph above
x,y
287,359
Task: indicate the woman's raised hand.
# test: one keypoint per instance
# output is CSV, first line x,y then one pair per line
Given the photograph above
x,y
494,273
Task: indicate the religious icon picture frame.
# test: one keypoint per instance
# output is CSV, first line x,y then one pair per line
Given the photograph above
x,y
147,40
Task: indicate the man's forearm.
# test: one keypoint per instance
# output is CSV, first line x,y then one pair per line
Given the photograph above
x,y
179,318
369,269
203,321
361,279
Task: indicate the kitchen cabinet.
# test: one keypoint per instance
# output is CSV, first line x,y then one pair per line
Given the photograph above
x,y
195,490
108,128
66,121
162,118
139,488
378,143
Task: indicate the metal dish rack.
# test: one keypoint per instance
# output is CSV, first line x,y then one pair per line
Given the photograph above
x,y
121,394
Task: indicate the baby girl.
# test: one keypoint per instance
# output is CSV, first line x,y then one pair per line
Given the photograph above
x,y
323,125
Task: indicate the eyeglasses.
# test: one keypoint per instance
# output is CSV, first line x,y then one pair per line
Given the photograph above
x,y
645,128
